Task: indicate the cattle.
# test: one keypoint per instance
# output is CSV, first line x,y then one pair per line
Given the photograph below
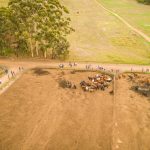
x,y
87,86
98,82
67,84
61,66
143,90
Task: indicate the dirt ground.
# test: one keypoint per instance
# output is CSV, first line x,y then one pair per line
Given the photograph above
x,y
37,114
132,117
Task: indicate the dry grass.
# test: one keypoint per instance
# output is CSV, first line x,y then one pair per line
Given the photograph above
x,y
101,37
135,13
3,2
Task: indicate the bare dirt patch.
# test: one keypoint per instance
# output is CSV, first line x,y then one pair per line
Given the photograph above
x,y
37,114
132,128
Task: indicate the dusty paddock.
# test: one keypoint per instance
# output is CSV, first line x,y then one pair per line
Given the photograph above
x,y
132,117
36,114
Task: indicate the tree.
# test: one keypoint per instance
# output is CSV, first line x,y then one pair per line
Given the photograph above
x,y
5,31
10,37
144,1
41,25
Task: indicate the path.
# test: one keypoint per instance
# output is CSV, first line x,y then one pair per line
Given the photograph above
x,y
81,65
9,78
14,66
147,38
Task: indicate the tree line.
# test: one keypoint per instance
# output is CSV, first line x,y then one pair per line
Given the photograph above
x,y
144,1
35,28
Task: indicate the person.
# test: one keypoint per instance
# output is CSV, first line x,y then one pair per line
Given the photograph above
x,y
89,66
86,67
61,66
98,67
75,64
70,64
12,73
0,82
6,71
8,77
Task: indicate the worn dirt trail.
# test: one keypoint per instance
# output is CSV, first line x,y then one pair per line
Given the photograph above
x,y
27,64
147,38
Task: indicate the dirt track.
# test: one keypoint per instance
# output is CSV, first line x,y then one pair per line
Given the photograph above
x,y
27,64
147,38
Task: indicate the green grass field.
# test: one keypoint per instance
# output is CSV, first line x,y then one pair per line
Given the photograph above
x,y
101,37
135,13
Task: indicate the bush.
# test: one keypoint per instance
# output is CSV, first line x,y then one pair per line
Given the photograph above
x,y
144,1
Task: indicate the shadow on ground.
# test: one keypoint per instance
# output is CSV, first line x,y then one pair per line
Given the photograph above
x,y
40,72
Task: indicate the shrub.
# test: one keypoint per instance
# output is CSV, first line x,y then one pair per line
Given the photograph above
x,y
144,1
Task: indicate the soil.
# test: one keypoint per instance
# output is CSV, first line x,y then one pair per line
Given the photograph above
x,y
37,114
132,117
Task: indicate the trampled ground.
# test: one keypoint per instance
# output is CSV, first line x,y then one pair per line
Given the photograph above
x,y
37,114
132,117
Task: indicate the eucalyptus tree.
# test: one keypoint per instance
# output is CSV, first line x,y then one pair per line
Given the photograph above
x,y
43,24
6,30
144,1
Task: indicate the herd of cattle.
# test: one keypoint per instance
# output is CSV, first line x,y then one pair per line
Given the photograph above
x,y
141,84
98,82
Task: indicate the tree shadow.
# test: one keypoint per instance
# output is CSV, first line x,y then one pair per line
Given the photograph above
x,y
40,71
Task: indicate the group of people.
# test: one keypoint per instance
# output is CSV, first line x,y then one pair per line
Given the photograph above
x,y
11,73
87,67
70,64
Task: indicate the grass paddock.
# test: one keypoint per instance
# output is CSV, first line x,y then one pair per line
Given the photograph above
x,y
101,37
